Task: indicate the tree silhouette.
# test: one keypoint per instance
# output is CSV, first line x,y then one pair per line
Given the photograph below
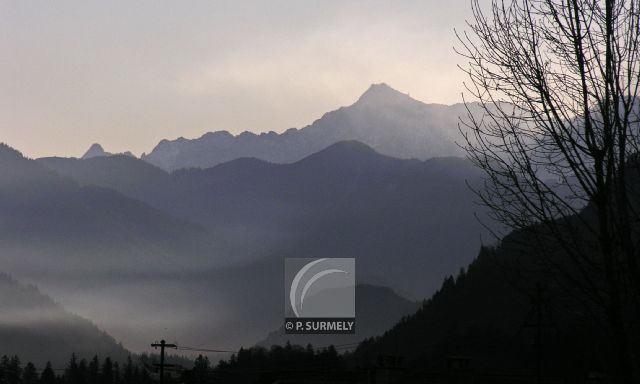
x,y
201,370
48,375
128,374
82,371
93,370
107,372
116,373
558,82
30,374
72,372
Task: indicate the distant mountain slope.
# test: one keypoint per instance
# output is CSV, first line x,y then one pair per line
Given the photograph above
x,y
37,329
125,174
49,219
409,222
106,256
391,122
371,320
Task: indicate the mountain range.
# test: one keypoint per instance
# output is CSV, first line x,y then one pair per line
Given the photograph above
x,y
49,221
112,257
402,219
390,122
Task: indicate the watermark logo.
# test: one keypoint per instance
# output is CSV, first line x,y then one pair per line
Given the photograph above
x,y
319,295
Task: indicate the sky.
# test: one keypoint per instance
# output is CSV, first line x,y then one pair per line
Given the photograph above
x,y
127,74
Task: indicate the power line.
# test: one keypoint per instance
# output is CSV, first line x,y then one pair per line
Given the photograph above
x,y
195,349
215,350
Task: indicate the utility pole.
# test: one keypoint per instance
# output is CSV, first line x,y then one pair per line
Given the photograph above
x,y
162,346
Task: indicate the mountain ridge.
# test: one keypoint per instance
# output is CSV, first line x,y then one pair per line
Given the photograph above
x,y
385,119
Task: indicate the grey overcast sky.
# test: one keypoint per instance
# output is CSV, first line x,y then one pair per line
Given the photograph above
x,y
127,74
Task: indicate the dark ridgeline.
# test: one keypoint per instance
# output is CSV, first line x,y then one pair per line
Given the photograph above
x,y
389,121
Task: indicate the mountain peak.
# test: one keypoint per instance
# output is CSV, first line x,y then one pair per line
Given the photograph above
x,y
382,93
95,150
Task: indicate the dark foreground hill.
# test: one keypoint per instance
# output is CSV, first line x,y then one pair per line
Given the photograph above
x,y
486,321
502,320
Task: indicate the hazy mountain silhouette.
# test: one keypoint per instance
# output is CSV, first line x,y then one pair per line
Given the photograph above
x,y
391,122
38,329
370,319
50,219
125,174
240,305
409,222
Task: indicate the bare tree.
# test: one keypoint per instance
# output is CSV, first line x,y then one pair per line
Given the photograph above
x,y
557,81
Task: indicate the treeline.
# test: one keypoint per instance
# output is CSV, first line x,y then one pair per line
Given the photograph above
x,y
77,371
259,364
251,365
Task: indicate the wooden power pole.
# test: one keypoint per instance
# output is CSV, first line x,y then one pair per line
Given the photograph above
x,y
162,346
